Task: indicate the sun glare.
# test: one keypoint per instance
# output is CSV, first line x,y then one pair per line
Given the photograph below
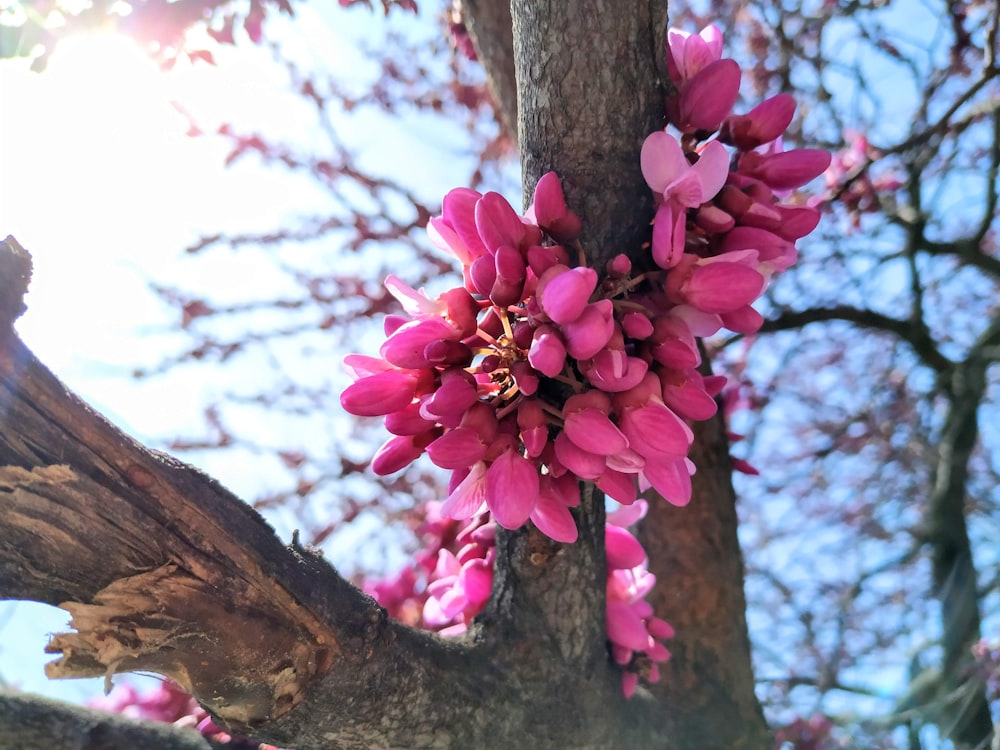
x,y
94,168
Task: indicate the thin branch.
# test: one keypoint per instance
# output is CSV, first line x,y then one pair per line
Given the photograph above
x,y
917,336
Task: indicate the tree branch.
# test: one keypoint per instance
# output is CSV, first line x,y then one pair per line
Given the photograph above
x,y
490,26
917,336
968,720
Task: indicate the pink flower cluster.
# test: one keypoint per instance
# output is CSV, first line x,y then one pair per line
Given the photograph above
x,y
168,703
542,371
721,228
634,631
453,576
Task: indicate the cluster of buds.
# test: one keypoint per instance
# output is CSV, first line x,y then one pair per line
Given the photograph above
x,y
541,371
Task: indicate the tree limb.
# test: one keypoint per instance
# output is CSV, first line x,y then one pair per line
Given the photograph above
x,y
29,721
916,335
489,24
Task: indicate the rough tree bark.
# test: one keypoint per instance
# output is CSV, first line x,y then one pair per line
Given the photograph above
x,y
164,570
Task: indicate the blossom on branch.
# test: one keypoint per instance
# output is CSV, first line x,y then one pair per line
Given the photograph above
x,y
543,371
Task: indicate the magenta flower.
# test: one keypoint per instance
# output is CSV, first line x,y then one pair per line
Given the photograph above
x,y
512,486
564,292
707,85
587,424
549,209
590,332
551,514
720,284
680,186
762,124
688,54
468,497
381,393
548,352
785,170
652,429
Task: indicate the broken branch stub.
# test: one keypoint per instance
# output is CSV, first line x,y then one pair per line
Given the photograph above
x,y
15,275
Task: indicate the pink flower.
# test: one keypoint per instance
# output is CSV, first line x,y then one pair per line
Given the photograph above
x,y
381,393
762,124
670,477
548,352
719,284
551,514
680,186
498,223
785,170
564,292
706,99
549,209
512,486
469,496
590,332
652,429
587,424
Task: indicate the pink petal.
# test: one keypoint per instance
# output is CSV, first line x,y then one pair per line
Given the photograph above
x,y
533,425
566,294
685,190
670,479
762,124
476,580
625,627
788,170
712,169
508,285
407,421
469,497
669,234
583,464
405,347
659,628
396,453
456,449
745,320
379,394
629,515
722,287
547,353
662,160
594,432
459,212
630,681
613,372
497,222
511,489
637,325
618,486
361,365
654,431
709,96
623,550
590,333
553,519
